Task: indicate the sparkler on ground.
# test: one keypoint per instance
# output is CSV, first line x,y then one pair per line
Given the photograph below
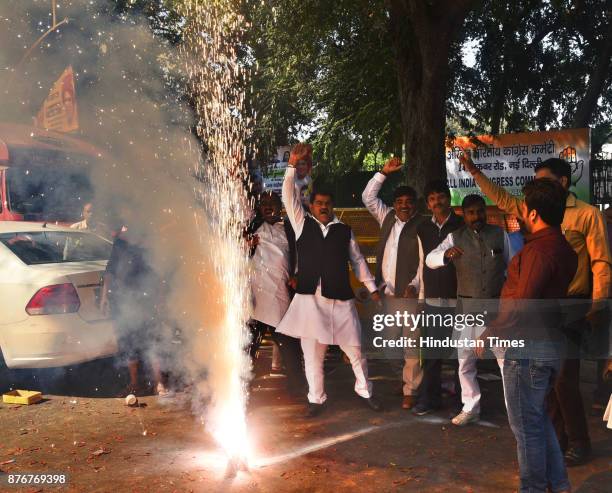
x,y
212,35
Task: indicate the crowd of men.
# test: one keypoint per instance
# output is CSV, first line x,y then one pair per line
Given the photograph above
x,y
549,289
448,263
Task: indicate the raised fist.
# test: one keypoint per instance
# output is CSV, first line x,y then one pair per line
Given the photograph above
x,y
300,152
392,165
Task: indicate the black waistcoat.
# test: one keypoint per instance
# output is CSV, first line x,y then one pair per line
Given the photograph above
x,y
325,259
442,282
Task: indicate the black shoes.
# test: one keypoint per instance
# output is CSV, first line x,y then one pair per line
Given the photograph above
x,y
314,410
576,456
372,403
422,409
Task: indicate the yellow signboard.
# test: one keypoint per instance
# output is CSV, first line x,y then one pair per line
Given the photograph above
x,y
59,109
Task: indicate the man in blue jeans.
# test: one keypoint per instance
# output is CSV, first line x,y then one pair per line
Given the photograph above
x,y
529,312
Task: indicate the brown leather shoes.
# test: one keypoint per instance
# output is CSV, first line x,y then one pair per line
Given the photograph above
x,y
408,401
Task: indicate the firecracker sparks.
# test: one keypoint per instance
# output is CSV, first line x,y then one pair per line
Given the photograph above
x,y
212,35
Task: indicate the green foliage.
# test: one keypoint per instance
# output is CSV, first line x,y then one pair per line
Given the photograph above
x,y
534,62
325,71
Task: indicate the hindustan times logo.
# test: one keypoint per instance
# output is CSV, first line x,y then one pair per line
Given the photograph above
x,y
412,321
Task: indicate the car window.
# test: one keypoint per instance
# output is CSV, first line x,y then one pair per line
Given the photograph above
x,y
49,247
48,192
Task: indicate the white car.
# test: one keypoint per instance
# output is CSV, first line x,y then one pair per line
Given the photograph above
x,y
50,281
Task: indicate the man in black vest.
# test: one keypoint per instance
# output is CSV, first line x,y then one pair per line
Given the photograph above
x,y
322,311
439,288
398,263
480,254
272,253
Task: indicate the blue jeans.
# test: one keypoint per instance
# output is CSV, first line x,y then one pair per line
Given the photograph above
x,y
527,383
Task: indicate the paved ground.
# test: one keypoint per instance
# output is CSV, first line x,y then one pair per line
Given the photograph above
x,y
102,445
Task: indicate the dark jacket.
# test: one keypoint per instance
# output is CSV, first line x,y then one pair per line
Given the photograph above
x,y
538,276
442,282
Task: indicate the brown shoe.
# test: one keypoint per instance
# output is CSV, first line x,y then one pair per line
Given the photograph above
x,y
408,401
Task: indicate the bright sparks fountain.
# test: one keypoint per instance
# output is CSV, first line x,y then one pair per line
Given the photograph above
x,y
217,78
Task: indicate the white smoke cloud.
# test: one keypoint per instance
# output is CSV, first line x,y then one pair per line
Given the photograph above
x,y
131,108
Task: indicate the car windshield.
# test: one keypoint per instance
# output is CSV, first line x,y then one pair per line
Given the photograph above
x,y
48,192
51,247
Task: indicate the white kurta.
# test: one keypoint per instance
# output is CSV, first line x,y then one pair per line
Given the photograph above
x,y
312,316
379,210
269,274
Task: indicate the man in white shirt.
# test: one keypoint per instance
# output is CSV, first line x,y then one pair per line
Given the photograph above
x,y
399,261
480,255
322,311
271,263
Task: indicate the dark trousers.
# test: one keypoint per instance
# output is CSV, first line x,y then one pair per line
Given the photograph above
x,y
290,349
565,406
430,391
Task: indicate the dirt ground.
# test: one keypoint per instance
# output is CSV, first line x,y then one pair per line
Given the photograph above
x,y
82,431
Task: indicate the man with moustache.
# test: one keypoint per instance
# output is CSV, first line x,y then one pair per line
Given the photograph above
x,y
398,260
322,311
272,259
530,314
584,227
438,288
480,254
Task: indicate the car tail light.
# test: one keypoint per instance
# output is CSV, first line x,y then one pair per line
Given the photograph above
x,y
58,298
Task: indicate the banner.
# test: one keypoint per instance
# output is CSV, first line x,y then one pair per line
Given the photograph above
x,y
59,109
509,160
275,170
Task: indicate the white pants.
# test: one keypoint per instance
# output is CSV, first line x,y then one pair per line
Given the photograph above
x,y
470,389
314,356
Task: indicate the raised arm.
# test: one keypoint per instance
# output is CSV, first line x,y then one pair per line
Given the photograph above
x,y
370,199
293,205
291,196
500,197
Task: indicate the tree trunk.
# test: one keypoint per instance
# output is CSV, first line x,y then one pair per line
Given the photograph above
x,y
597,83
422,34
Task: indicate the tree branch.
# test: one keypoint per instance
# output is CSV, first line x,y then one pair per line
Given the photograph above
x,y
597,83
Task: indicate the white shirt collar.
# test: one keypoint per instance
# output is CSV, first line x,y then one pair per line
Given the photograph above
x,y
321,225
440,226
